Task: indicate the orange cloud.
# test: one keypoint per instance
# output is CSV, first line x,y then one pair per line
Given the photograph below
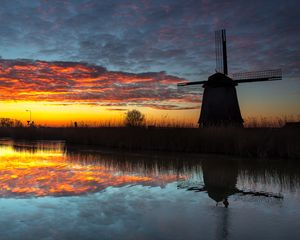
x,y
27,80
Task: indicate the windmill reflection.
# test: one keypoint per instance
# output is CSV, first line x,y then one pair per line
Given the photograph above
x,y
220,180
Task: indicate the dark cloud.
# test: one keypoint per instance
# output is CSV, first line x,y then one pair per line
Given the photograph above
x,y
138,36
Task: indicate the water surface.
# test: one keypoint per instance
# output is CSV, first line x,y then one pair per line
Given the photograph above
x,y
49,191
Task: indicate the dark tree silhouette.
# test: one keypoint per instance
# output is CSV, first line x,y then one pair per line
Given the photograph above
x,y
8,122
134,118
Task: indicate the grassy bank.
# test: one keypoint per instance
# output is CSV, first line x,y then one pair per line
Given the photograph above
x,y
248,142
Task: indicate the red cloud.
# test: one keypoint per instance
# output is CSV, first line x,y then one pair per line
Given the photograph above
x,y
89,84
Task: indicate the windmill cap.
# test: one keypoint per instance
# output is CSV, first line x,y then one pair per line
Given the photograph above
x,y
219,80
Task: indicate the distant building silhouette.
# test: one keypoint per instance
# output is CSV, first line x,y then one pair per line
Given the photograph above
x,y
292,125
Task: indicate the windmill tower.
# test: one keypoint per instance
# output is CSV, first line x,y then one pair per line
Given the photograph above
x,y
220,105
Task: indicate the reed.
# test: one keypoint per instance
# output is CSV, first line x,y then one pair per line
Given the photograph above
x,y
269,122
261,143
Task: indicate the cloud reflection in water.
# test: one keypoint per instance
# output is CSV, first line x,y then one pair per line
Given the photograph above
x,y
26,171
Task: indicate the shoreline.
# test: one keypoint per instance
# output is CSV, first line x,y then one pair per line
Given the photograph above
x,y
260,143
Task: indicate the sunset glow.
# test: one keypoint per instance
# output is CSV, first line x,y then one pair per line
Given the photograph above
x,y
59,92
91,61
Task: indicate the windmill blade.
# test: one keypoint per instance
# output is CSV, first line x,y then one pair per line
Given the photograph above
x,y
258,76
190,83
261,194
221,51
257,80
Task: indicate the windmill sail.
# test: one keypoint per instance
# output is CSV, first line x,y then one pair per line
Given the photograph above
x,y
190,83
221,51
258,76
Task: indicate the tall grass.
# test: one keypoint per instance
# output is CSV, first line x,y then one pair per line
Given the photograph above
x,y
269,122
251,142
261,137
148,123
163,122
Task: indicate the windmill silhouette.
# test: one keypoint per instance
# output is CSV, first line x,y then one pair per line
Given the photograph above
x,y
220,105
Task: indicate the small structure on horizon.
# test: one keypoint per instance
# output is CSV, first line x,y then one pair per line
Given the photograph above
x,y
220,105
292,125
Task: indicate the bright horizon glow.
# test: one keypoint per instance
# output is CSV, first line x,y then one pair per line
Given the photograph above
x,y
56,114
60,93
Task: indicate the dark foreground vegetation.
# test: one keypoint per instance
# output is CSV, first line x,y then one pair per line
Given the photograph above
x,y
249,142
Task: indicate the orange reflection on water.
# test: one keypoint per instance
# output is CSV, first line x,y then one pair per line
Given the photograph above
x,y
50,173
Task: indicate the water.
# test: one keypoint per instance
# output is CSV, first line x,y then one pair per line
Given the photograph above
x,y
48,191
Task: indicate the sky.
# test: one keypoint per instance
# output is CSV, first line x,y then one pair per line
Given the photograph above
x,y
91,61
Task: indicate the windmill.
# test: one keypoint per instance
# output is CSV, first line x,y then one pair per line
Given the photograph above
x,y
220,105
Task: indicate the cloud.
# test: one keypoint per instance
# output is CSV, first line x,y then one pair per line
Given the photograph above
x,y
117,109
82,83
153,35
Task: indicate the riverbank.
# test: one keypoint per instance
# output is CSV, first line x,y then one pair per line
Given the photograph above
x,y
248,142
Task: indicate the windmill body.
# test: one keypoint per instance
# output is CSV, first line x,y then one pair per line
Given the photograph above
x,y
220,105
